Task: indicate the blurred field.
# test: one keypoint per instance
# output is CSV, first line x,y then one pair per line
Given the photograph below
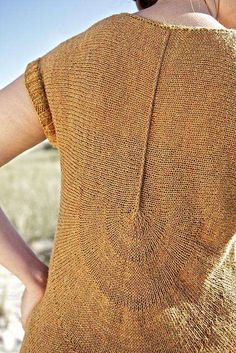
x,y
30,191
30,196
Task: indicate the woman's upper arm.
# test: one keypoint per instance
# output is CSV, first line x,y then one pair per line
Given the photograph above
x,y
31,106
20,128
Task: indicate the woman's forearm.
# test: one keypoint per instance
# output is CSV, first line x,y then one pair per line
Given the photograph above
x,y
17,256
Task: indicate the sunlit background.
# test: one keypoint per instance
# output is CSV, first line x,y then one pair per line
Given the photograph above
x,y
30,183
29,29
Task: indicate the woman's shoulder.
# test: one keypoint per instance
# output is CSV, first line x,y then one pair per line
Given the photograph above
x,y
103,26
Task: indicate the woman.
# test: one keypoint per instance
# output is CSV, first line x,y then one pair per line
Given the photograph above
x,y
141,108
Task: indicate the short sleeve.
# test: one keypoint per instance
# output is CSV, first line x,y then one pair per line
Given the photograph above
x,y
47,80
36,88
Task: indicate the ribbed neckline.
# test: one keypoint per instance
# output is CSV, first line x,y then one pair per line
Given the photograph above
x,y
176,27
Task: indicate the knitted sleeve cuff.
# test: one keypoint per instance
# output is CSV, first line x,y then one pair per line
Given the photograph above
x,y
35,86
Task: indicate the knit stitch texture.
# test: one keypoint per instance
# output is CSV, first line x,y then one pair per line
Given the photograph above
x,y
143,116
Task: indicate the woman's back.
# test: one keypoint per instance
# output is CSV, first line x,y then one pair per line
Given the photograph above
x,y
143,116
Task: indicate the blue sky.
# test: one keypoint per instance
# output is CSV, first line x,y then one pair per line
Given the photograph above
x,y
30,28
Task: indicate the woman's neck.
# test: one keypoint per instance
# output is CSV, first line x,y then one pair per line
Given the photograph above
x,y
189,13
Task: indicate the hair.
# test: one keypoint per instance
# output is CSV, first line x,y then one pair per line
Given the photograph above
x,y
147,3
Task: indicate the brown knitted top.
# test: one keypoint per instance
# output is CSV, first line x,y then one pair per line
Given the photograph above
x,y
143,115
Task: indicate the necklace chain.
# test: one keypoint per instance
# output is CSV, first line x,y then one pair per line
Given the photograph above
x,y
217,6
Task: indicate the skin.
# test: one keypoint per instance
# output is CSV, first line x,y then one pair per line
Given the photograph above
x,y
21,130
192,12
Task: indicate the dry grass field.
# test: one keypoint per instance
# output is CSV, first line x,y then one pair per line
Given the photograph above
x,y
29,195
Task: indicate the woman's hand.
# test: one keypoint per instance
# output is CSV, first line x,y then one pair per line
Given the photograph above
x,y
31,296
19,258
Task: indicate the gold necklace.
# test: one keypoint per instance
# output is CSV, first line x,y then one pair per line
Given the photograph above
x,y
217,14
